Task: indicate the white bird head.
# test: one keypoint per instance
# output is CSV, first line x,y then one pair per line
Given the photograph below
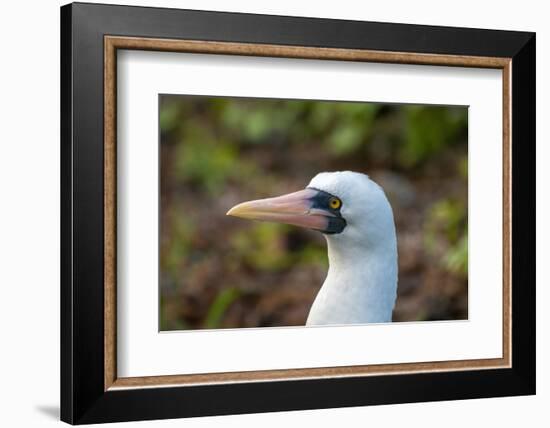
x,y
346,206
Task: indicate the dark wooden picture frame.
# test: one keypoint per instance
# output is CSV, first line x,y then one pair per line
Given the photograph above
x,y
90,36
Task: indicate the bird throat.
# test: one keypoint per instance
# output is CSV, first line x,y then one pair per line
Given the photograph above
x,y
360,286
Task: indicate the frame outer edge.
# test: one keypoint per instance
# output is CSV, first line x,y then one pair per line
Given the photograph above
x,y
524,215
66,161
83,397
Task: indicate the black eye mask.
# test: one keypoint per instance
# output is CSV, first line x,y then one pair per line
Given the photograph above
x,y
322,201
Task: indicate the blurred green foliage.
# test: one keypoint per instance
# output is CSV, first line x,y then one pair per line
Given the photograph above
x,y
446,227
219,306
428,130
260,247
215,152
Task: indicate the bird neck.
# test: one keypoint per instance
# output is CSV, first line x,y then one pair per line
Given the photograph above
x,y
360,286
351,257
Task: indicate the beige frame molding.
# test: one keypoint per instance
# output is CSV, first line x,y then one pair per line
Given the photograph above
x,y
113,43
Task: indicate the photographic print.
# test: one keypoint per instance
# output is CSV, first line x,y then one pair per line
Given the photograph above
x,y
277,212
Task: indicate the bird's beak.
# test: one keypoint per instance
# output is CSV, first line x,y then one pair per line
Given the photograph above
x,y
295,208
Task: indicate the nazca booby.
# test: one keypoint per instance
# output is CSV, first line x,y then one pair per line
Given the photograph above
x,y
354,215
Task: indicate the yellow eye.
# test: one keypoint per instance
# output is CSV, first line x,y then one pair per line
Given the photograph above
x,y
335,203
